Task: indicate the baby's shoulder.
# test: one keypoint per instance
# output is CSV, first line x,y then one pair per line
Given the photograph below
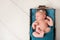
x,y
46,20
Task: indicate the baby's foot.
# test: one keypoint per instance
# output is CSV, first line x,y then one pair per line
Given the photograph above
x,y
47,30
39,35
35,34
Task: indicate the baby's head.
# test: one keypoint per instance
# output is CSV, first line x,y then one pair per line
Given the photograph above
x,y
40,14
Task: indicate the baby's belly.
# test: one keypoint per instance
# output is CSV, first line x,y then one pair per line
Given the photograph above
x,y
42,27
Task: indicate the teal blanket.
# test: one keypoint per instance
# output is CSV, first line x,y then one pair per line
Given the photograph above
x,y
48,36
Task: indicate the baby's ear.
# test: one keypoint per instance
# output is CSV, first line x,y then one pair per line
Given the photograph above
x,y
47,17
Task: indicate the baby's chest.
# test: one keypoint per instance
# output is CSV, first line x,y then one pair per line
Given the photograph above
x,y
42,23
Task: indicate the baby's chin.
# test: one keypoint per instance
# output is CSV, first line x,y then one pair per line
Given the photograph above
x,y
40,19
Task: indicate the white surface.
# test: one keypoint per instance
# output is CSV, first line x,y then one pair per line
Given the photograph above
x,y
14,19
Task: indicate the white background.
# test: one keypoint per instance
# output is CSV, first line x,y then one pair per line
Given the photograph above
x,y
14,18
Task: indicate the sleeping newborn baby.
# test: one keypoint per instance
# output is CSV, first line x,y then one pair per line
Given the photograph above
x,y
40,25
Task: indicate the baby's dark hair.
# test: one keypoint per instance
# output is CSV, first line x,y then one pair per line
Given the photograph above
x,y
42,8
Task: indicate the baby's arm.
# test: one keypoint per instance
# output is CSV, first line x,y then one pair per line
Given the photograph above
x,y
50,21
34,25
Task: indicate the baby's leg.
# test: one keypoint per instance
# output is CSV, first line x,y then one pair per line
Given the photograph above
x,y
38,29
47,30
39,35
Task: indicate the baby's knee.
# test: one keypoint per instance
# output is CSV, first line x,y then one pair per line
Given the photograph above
x,y
47,30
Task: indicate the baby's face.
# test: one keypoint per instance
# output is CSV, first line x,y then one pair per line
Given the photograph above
x,y
40,15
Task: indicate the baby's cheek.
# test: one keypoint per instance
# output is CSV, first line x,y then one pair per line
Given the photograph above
x,y
44,15
37,17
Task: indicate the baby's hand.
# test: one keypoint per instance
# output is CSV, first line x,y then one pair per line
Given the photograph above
x,y
50,21
48,18
34,25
